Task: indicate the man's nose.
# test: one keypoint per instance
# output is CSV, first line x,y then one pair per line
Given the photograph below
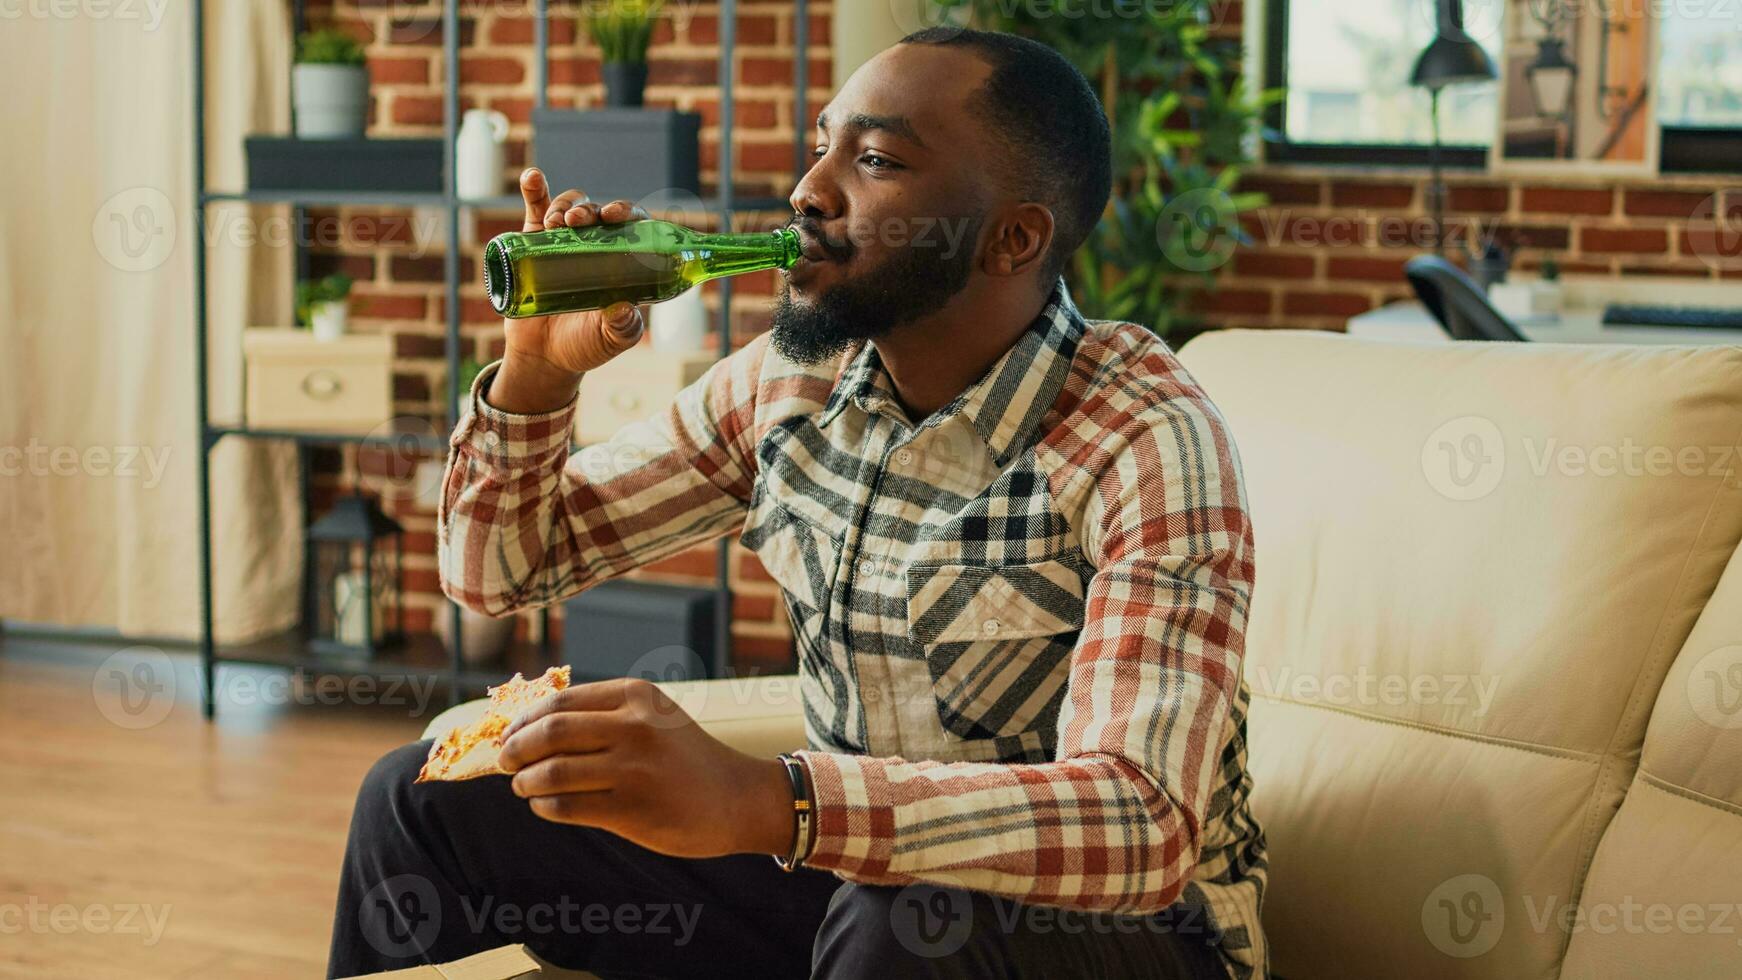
x,y
817,195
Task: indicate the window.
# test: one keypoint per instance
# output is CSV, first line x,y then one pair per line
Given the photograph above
x,y
1346,68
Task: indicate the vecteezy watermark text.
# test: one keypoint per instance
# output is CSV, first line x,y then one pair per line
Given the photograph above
x,y
35,459
67,919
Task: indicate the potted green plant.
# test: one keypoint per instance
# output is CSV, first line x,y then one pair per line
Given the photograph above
x,y
323,305
622,29
329,85
620,149
1182,117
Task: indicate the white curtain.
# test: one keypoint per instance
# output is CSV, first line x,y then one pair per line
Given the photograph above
x,y
98,437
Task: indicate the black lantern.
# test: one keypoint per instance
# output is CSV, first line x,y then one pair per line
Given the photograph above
x,y
355,555
1551,76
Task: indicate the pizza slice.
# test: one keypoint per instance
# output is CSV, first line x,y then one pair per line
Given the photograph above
x,y
470,751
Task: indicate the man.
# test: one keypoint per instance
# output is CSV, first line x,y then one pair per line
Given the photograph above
x,y
1015,553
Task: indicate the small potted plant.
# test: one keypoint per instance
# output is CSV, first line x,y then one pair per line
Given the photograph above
x,y
622,29
1547,294
323,305
329,86
620,149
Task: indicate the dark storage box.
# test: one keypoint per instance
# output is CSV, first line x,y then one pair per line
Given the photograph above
x,y
639,629
618,153
283,163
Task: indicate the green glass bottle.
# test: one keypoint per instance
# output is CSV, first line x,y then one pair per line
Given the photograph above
x,y
561,270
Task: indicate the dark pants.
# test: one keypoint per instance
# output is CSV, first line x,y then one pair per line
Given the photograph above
x,y
438,871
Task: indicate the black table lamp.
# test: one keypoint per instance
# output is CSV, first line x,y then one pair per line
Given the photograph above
x,y
1453,58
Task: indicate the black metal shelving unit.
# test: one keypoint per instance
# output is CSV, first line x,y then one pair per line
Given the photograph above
x,y
424,656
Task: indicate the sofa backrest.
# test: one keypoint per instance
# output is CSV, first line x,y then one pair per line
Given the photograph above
x,y
1475,565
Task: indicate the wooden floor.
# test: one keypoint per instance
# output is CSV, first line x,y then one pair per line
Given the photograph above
x,y
227,834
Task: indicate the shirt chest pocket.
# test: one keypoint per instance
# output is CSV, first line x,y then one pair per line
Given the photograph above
x,y
799,553
996,641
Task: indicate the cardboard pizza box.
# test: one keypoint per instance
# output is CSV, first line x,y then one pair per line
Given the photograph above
x,y
502,963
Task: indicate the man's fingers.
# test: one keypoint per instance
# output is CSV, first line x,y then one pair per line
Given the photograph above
x,y
557,734
560,206
593,696
536,193
580,214
583,809
560,774
621,210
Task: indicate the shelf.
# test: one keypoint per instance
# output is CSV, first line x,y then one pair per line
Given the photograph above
x,y
400,433
318,198
425,656
421,655
502,202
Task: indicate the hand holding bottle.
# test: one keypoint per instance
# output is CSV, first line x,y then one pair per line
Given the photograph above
x,y
546,355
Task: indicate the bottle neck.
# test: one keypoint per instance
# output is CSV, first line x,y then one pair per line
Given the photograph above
x,y
732,254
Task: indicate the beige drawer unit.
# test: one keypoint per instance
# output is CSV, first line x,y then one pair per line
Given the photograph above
x,y
296,381
634,386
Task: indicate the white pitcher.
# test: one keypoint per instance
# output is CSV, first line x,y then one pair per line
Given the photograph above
x,y
479,154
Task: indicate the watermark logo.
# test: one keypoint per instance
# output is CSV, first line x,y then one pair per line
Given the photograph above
x,y
665,665
401,916
148,13
134,688
917,15
1464,916
1367,688
1196,230
930,921
1715,688
39,461
1464,458
134,230
65,919
1714,233
1483,19
568,917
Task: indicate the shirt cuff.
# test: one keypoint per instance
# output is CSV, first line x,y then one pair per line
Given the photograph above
x,y
504,438
849,832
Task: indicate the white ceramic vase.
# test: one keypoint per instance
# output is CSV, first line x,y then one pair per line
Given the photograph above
x,y
329,320
479,154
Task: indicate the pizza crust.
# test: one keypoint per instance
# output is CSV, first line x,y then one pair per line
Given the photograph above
x,y
475,750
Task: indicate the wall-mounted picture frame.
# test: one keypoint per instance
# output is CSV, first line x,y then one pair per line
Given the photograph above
x,y
1578,91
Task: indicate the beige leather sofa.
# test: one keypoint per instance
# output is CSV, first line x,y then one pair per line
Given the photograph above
x,y
1495,654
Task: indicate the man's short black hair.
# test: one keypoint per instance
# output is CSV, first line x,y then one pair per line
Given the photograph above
x,y
1050,127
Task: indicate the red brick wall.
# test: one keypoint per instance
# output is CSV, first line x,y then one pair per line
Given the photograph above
x,y
1333,242
396,256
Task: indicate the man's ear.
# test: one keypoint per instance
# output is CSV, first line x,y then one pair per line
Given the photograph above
x,y
1020,235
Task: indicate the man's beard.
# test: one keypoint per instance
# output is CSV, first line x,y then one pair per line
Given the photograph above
x,y
914,282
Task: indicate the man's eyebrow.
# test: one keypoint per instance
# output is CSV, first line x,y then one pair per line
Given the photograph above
x,y
858,121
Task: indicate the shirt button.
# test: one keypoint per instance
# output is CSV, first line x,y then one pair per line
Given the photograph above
x,y
991,627
867,566
904,456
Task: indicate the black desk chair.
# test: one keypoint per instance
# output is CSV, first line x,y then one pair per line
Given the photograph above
x,y
1456,301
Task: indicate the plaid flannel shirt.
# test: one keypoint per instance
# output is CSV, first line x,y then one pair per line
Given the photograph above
x,y
1019,622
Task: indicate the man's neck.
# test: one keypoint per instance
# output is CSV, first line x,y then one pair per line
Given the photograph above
x,y
932,360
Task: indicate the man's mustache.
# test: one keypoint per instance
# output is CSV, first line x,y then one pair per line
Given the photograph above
x,y
811,228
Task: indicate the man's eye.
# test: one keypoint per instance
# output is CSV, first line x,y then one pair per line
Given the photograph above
x,y
877,162
820,151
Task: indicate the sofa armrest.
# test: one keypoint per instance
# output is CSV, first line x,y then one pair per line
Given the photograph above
x,y
757,715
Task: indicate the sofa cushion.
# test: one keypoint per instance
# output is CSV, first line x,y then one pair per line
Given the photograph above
x,y
1664,895
1475,564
